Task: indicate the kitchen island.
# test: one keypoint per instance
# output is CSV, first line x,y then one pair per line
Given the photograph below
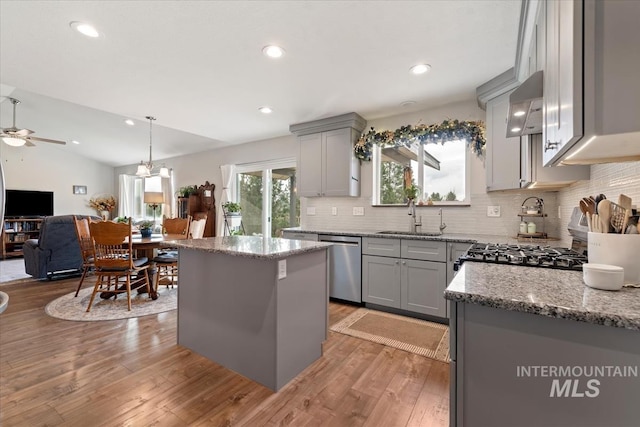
x,y
258,306
533,347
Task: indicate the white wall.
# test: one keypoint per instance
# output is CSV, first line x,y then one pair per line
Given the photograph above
x,y
48,167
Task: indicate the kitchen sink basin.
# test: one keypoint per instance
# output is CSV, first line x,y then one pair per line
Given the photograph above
x,y
410,233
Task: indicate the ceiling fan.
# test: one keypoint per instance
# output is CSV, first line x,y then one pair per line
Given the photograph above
x,y
19,137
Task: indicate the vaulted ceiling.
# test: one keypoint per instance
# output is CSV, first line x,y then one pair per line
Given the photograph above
x,y
198,67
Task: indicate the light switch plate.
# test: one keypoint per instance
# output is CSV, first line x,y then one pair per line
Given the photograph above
x,y
282,269
358,211
493,211
311,211
334,211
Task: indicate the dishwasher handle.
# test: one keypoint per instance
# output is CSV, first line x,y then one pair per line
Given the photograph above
x,y
341,240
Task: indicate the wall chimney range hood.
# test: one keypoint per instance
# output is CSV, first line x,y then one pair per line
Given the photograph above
x,y
525,107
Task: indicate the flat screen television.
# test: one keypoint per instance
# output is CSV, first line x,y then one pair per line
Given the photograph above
x,y
26,203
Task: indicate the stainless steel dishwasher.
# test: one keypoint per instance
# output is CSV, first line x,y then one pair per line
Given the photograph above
x,y
345,267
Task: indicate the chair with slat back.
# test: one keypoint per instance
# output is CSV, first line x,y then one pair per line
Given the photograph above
x,y
114,262
196,229
86,247
167,262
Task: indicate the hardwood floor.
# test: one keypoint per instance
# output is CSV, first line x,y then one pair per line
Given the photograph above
x,y
132,372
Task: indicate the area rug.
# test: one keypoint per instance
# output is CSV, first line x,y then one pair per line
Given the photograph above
x,y
405,333
68,307
12,271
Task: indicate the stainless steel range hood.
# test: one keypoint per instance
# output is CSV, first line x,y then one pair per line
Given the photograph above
x,y
525,107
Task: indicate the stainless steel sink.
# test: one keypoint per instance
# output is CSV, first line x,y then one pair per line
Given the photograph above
x,y
410,233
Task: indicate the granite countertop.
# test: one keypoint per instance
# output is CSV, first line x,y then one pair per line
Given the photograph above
x,y
446,237
249,246
546,292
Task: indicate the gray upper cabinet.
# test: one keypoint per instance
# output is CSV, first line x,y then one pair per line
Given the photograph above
x,y
591,88
327,165
517,162
502,165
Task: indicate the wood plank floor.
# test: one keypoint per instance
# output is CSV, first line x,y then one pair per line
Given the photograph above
x,y
131,372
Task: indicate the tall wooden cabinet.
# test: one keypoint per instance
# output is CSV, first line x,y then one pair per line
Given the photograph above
x,y
327,165
199,205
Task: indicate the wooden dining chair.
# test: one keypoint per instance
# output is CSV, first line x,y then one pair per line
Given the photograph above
x,y
167,261
196,229
114,262
86,247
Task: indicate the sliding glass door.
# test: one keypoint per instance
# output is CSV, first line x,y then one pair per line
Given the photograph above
x,y
266,193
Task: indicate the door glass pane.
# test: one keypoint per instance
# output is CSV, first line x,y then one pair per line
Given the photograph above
x,y
250,199
285,206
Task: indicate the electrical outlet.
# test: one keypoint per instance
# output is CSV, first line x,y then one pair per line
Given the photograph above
x,y
358,211
493,211
311,211
559,213
334,211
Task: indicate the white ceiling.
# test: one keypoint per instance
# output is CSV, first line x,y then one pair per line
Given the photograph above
x,y
197,66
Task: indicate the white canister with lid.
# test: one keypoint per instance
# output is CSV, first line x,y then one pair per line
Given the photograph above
x,y
523,227
531,227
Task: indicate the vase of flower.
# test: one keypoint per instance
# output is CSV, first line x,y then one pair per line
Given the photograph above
x,y
104,215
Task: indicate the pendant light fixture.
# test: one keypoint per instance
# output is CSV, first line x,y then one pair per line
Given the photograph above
x,y
145,169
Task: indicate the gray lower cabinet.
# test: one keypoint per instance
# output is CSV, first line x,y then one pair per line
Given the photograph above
x,y
381,280
415,285
454,251
421,287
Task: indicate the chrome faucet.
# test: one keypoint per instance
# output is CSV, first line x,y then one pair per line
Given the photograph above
x,y
442,224
414,224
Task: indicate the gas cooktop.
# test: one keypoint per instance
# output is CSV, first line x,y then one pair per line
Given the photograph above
x,y
526,255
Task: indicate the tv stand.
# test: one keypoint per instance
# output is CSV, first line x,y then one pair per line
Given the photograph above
x,y
15,232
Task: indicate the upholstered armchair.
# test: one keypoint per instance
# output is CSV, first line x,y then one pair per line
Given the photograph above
x,y
56,250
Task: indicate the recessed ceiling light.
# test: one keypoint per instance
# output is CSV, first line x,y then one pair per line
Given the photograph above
x,y
516,129
519,113
75,142
130,122
273,51
407,103
420,68
84,28
265,110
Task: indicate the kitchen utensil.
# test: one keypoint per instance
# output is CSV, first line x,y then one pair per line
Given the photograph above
x,y
593,218
589,221
618,216
604,212
600,197
625,202
603,276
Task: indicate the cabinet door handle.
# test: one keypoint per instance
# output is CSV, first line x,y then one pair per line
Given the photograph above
x,y
396,262
551,145
450,251
404,263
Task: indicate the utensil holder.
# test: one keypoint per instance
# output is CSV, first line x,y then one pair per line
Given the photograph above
x,y
616,249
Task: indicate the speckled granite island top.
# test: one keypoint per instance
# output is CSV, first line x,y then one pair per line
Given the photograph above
x,y
546,292
250,246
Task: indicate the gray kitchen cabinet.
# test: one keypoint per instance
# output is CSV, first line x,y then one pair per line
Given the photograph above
x,y
591,87
327,165
381,278
406,274
562,91
422,287
502,164
517,162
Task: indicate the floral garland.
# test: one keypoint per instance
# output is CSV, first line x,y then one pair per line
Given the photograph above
x,y
471,131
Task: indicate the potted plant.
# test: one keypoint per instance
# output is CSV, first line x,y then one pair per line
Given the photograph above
x,y
411,192
146,227
188,190
231,208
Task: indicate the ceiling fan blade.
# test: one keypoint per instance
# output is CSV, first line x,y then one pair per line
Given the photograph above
x,y
54,141
29,143
23,132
